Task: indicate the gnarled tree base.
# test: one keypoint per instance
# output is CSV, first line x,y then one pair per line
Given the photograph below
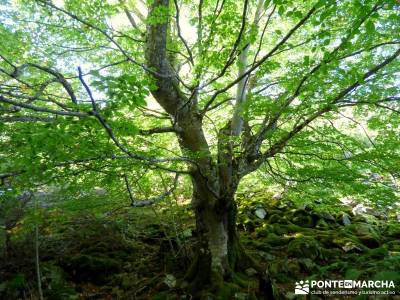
x,y
202,281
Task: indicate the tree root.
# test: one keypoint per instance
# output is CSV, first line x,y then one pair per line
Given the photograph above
x,y
201,282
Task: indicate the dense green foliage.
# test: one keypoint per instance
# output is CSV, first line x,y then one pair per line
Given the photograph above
x,y
330,158
294,98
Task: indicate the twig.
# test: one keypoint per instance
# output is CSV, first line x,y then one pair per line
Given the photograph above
x,y
128,187
38,276
154,200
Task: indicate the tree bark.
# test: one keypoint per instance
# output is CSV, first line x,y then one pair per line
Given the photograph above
x,y
214,178
218,248
219,254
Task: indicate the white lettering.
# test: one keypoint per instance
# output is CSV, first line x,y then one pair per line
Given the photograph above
x,y
348,284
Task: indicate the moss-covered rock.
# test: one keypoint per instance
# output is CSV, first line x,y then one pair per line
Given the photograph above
x,y
301,242
275,240
279,229
366,233
261,232
280,270
293,267
275,218
307,265
377,253
325,216
261,245
93,268
393,230
321,224
302,218
343,219
392,245
304,247
325,237
328,254
349,244
370,241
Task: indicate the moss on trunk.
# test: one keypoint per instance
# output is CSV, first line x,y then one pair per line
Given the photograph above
x,y
220,261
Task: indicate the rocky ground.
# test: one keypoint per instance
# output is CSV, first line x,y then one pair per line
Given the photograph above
x,y
306,243
143,254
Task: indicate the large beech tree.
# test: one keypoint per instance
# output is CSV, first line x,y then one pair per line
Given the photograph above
x,y
239,85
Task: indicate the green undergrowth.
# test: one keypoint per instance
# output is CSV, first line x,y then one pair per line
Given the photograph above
x,y
144,253
128,255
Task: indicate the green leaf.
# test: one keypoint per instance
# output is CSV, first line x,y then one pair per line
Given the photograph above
x,y
370,27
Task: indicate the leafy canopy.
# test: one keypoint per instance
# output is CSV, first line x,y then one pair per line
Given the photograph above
x,y
322,80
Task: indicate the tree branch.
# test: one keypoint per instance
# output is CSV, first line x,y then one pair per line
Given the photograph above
x,y
103,32
58,77
14,119
154,200
231,57
128,188
279,145
178,27
111,134
157,130
130,18
261,61
43,109
273,120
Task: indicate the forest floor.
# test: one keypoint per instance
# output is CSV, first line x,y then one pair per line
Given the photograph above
x,y
143,253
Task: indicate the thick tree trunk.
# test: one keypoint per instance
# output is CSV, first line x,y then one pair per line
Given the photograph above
x,y
218,252
7,244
